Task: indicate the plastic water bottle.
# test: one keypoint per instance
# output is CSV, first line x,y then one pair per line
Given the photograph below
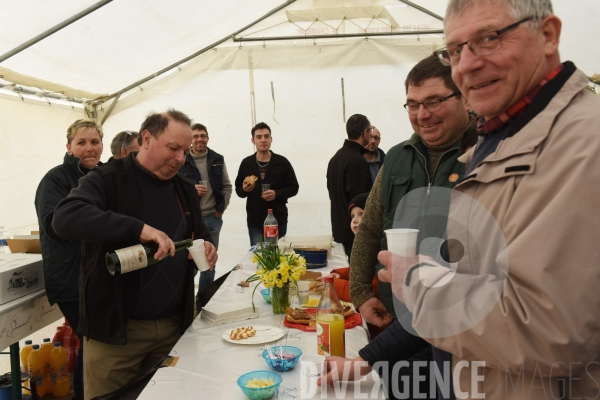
x,y
60,375
36,365
3,243
71,344
46,348
271,228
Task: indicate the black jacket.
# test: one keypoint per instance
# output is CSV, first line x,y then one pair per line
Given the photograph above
x,y
214,164
61,258
103,212
282,178
348,175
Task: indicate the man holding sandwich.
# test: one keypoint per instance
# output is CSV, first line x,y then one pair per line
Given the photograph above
x,y
265,168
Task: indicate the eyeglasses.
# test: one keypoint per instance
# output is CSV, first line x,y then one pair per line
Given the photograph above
x,y
481,45
202,136
429,105
375,138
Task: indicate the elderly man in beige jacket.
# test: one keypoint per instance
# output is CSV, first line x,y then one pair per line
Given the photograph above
x,y
519,309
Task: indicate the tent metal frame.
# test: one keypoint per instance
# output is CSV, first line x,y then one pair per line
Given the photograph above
x,y
54,29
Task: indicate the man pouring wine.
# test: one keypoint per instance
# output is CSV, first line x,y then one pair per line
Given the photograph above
x,y
132,320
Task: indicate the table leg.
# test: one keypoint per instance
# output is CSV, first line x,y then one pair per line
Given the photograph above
x,y
15,371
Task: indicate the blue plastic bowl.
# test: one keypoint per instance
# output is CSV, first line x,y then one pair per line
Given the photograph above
x,y
285,364
259,393
266,294
315,258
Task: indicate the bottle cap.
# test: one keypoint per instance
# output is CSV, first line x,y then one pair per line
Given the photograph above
x,y
328,279
28,342
56,344
36,346
270,210
47,340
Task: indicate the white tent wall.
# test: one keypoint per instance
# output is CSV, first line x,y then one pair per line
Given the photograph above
x,y
306,119
32,140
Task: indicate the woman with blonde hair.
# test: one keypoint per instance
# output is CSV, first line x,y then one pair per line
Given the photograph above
x,y
61,258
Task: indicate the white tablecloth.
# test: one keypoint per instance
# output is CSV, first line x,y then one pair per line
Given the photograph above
x,y
208,366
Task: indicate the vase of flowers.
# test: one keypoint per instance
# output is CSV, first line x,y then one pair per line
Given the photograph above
x,y
278,270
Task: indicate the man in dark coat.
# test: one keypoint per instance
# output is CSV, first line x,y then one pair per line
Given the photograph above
x,y
348,175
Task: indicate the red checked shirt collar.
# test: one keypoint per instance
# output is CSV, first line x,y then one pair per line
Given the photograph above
x,y
495,124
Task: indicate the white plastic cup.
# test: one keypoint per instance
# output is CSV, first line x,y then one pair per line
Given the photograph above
x,y
402,242
199,256
312,367
303,289
203,183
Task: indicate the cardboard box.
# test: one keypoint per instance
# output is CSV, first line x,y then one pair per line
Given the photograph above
x,y
25,243
20,274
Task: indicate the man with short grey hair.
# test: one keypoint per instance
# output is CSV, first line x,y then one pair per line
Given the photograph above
x,y
124,143
374,155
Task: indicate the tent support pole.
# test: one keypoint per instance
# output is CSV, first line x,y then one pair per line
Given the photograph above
x,y
343,35
196,54
418,7
113,104
52,30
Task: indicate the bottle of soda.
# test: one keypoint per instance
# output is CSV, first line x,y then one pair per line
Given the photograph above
x,y
271,228
46,348
139,256
60,375
36,365
331,340
24,354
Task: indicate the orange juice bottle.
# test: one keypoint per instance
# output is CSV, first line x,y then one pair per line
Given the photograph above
x,y
24,354
59,359
46,348
331,340
36,365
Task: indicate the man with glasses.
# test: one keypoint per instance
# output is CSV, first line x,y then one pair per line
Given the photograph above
x,y
124,143
348,176
439,116
535,172
374,155
207,169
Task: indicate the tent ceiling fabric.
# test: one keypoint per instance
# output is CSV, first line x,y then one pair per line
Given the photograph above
x,y
128,40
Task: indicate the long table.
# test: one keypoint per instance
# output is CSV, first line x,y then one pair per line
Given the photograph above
x,y
208,366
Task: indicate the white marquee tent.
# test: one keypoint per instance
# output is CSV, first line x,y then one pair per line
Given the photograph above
x,y
217,61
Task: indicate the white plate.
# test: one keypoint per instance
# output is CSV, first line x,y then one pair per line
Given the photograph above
x,y
264,334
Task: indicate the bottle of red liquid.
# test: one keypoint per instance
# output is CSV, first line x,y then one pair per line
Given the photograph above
x,y
71,344
271,229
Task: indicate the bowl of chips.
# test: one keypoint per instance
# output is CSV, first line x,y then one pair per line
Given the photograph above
x,y
259,385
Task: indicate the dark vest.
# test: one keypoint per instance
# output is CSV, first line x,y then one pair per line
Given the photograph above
x,y
405,169
102,311
214,164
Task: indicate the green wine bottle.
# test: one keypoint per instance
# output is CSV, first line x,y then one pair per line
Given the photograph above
x,y
139,256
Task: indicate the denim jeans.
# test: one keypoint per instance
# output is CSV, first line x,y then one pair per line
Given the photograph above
x,y
256,233
214,226
71,312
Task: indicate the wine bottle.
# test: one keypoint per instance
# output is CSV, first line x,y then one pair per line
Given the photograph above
x,y
139,256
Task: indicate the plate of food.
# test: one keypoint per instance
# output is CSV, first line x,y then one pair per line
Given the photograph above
x,y
305,318
256,334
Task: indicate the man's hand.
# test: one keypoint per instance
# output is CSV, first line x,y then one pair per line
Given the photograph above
x,y
211,254
337,368
218,214
201,190
247,187
165,244
395,270
374,312
269,195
